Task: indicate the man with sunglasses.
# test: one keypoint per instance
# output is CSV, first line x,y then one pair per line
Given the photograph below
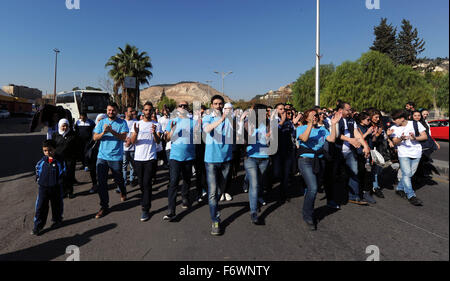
x,y
182,155
219,132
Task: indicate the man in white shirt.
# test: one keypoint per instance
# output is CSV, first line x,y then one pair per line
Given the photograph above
x,y
407,141
146,134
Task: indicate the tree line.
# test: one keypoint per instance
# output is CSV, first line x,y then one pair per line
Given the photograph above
x,y
383,77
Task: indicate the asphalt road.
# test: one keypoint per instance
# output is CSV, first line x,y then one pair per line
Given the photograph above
x,y
400,230
442,154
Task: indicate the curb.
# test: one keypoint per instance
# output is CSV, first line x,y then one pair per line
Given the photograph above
x,y
441,167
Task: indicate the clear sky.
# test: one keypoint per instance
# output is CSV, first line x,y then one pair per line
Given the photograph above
x,y
267,44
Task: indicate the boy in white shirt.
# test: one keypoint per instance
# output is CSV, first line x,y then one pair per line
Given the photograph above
x,y
407,141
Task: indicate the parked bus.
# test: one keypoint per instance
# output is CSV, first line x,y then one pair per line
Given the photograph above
x,y
83,101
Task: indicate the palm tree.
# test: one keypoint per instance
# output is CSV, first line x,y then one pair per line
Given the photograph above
x,y
129,62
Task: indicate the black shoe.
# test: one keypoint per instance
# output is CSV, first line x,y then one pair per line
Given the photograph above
x,y
415,201
56,224
254,218
36,231
185,204
118,190
169,217
93,189
401,193
311,225
134,183
71,195
378,193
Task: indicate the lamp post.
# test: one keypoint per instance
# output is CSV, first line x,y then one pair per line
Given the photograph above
x,y
317,100
56,67
223,74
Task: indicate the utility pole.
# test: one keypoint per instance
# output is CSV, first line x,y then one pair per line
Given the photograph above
x,y
318,55
56,67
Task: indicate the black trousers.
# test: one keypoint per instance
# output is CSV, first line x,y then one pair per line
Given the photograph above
x,y
179,169
365,178
336,179
52,194
144,172
69,177
282,169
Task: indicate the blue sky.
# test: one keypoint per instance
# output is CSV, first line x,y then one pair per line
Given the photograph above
x,y
267,44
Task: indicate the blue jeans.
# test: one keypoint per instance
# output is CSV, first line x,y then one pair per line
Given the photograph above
x,y
376,170
255,169
128,158
216,176
408,167
352,169
306,168
103,167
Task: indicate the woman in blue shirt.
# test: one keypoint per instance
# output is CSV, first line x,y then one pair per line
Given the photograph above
x,y
257,134
312,139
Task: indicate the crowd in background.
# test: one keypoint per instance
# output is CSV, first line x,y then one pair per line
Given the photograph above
x,y
339,151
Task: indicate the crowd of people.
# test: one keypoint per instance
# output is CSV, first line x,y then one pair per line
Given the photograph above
x,y
338,151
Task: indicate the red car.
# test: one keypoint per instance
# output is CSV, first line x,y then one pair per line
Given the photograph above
x,y
439,129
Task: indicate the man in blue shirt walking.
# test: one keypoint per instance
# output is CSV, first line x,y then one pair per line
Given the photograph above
x,y
111,132
182,156
218,128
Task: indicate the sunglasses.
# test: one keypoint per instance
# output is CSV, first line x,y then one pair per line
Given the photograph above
x,y
183,105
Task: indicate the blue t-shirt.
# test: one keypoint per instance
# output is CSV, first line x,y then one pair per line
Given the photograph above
x,y
317,139
111,148
258,150
183,147
219,142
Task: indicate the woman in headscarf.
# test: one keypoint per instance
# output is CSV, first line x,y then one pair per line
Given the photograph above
x,y
67,151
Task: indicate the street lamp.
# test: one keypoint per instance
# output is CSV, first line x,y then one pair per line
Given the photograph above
x,y
56,67
317,100
223,74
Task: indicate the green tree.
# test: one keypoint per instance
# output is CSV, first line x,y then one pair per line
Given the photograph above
x,y
375,81
409,45
76,89
442,94
129,62
304,89
165,101
439,83
92,88
385,39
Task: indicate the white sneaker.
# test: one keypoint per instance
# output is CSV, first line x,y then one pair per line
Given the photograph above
x,y
228,197
222,198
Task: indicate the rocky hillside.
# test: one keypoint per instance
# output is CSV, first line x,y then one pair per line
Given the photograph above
x,y
188,91
282,93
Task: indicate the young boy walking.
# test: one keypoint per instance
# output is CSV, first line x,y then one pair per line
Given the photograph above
x,y
49,177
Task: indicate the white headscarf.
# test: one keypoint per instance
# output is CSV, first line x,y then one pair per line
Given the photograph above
x,y
60,123
100,117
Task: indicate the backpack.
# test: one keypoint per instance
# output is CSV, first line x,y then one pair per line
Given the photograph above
x,y
427,144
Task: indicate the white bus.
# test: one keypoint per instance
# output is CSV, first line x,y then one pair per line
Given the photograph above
x,y
83,101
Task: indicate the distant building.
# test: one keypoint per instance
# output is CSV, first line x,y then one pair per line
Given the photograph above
x,y
22,92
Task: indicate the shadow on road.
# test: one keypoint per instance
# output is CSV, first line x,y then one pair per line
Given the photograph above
x,y
55,248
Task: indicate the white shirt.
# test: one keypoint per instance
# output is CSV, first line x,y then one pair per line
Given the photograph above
x,y
408,148
130,124
346,146
145,145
